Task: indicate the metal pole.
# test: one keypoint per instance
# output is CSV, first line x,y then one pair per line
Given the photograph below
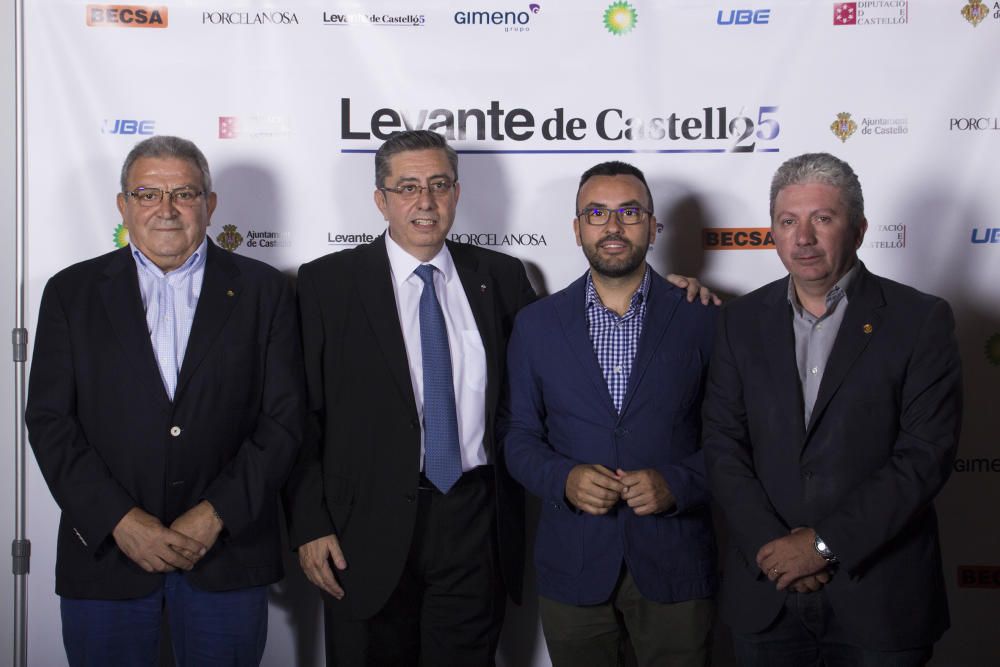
x,y
20,548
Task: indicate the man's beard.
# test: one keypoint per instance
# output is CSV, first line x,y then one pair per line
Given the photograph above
x,y
617,267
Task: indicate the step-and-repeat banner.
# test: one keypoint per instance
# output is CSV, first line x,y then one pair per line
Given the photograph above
x,y
289,100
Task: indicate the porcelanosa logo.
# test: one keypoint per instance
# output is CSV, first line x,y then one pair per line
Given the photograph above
x,y
249,18
708,129
871,12
494,240
510,20
374,19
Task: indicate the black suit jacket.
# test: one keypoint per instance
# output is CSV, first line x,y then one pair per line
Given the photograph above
x,y
359,467
863,472
103,428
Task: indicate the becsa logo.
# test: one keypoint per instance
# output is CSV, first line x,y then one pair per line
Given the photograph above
x,y
126,16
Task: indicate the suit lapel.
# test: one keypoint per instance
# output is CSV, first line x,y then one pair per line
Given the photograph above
x,y
661,304
778,341
862,320
479,290
373,282
221,290
571,309
123,303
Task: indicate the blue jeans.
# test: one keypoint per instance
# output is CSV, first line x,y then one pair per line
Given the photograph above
x,y
218,629
807,634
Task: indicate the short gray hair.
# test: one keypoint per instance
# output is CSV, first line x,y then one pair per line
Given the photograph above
x,y
165,146
828,170
411,140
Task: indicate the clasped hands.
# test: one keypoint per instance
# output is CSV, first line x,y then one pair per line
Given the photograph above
x,y
792,562
157,548
594,489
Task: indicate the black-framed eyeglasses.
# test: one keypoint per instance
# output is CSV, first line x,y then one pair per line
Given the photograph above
x,y
600,215
439,188
149,197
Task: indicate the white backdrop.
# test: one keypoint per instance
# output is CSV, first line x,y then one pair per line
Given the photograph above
x,y
288,100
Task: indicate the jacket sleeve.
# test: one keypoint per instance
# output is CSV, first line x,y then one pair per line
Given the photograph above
x,y
883,505
249,482
752,520
306,512
530,459
83,487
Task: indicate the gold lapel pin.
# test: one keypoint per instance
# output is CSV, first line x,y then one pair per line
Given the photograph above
x,y
868,328
230,292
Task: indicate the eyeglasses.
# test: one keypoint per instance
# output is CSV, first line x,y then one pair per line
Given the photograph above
x,y
600,216
439,189
150,197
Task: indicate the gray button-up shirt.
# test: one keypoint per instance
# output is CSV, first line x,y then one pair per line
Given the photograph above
x,y
814,336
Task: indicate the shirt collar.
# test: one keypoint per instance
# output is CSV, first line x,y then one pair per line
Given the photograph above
x,y
639,296
836,293
192,263
402,264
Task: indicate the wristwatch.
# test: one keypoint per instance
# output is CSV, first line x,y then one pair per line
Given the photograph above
x,y
823,550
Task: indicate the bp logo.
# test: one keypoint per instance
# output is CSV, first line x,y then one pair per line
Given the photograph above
x,y
843,127
229,238
992,349
620,18
120,236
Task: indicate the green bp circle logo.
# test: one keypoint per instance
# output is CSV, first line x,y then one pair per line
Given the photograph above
x,y
993,349
620,18
120,236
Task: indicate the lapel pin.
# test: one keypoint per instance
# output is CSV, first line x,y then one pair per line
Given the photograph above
x,y
867,328
230,292
482,288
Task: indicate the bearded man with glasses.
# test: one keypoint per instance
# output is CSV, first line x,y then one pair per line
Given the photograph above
x,y
602,423
165,408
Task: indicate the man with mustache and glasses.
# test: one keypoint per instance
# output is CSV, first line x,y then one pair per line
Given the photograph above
x,y
602,423
832,416
165,409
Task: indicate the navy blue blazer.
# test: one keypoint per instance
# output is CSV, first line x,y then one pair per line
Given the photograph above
x,y
558,413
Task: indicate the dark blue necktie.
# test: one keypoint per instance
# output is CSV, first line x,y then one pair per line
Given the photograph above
x,y
442,459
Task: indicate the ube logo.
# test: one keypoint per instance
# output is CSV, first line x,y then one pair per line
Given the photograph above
x,y
128,126
743,17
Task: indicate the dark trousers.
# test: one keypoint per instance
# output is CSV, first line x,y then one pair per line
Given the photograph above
x,y
448,606
662,635
226,629
807,634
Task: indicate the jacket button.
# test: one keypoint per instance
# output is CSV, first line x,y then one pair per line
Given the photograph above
x,y
410,497
808,474
415,424
175,431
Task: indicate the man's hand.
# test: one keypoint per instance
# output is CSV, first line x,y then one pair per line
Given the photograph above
x,y
812,583
315,557
593,489
153,546
646,492
791,557
200,523
694,289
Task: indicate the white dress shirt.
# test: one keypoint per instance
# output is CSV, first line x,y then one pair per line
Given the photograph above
x,y
468,357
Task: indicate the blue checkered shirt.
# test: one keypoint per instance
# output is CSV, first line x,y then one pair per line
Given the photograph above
x,y
616,338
